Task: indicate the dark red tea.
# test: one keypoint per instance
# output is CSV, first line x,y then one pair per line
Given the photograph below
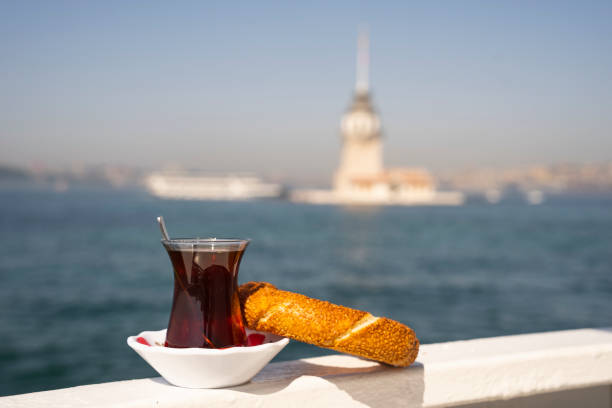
x,y
205,307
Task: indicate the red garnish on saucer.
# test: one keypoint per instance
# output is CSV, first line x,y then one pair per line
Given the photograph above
x,y
255,339
142,340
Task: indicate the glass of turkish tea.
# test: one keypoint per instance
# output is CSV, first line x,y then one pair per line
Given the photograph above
x,y
205,306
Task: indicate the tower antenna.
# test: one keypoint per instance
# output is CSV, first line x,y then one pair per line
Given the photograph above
x,y
363,62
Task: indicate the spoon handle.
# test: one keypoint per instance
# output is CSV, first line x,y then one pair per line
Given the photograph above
x,y
162,227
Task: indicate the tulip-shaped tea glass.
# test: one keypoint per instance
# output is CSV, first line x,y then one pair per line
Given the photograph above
x,y
205,307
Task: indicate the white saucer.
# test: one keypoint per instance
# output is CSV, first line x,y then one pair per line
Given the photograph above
x,y
206,368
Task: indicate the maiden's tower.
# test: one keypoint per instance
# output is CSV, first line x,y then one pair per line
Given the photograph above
x,y
361,177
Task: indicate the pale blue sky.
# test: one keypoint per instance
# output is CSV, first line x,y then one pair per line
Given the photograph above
x,y
261,86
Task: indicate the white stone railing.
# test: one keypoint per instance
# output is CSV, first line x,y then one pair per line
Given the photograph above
x,y
553,369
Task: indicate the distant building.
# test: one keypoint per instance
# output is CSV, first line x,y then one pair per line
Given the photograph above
x,y
361,177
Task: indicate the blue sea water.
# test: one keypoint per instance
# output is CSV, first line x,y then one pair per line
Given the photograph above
x,y
82,270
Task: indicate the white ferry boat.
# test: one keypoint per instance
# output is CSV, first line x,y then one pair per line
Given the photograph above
x,y
193,186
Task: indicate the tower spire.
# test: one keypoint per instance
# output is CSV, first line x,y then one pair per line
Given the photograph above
x,y
363,62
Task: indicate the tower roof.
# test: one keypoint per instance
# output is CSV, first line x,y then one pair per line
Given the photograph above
x,y
362,102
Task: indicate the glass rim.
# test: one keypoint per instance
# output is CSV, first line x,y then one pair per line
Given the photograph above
x,y
206,244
